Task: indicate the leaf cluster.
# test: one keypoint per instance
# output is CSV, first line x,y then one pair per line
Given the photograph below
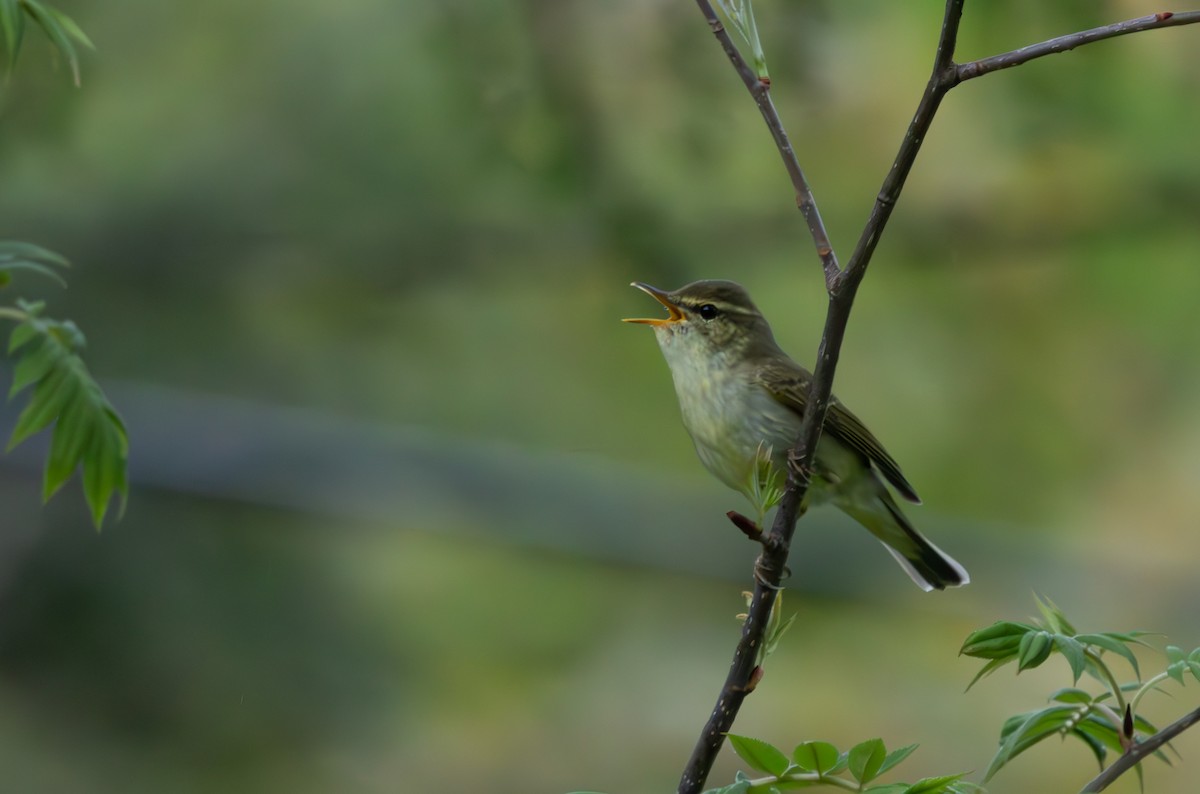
x,y
1103,721
62,31
1031,644
88,433
822,764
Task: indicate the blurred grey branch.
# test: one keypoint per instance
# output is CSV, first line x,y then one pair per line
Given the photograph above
x,y
357,473
348,470
842,285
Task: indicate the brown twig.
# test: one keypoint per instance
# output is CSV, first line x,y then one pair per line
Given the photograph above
x,y
842,286
1137,752
748,527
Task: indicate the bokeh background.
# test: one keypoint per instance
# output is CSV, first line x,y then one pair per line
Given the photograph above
x,y
412,510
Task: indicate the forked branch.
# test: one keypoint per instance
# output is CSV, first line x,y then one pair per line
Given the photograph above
x,y
842,285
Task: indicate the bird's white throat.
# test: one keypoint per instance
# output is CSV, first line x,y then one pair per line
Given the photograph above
x,y
725,411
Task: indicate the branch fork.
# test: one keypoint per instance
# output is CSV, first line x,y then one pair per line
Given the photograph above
x,y
841,285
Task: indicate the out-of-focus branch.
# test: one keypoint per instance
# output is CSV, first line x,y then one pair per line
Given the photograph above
x,y
1137,752
1164,19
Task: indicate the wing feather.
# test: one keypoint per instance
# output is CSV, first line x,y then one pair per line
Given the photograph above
x,y
789,385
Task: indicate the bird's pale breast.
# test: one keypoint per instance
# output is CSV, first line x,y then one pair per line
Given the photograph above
x,y
728,416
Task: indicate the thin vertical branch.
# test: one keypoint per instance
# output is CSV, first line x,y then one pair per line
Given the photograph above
x,y
769,568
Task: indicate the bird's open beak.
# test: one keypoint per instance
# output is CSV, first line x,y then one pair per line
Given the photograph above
x,y
654,292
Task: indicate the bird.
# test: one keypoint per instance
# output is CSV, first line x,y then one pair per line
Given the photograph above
x,y
740,394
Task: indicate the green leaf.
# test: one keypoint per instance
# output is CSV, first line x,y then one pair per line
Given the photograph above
x,y
1072,695
1194,667
740,15
895,757
34,365
54,390
866,759
776,627
1073,651
1144,725
6,269
72,29
989,668
1055,620
1110,641
55,32
105,469
840,766
1034,649
819,757
13,22
759,755
1029,730
933,785
996,641
1096,746
888,788
22,335
17,255
88,432
72,435
1102,731
739,787
12,250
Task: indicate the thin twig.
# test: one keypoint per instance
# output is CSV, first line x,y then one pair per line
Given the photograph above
x,y
761,91
1165,19
1137,752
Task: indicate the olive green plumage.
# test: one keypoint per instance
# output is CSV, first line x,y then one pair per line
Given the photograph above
x,y
739,393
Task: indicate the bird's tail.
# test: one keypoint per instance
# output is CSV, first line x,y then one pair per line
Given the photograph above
x,y
930,567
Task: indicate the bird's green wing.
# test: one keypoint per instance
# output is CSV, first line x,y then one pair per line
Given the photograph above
x,y
789,385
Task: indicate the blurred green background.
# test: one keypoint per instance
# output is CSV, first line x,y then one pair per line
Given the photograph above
x,y
413,511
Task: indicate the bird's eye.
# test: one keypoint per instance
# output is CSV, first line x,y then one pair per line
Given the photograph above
x,y
708,311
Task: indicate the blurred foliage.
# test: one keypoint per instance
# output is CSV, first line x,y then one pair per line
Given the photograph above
x,y
1103,722
427,214
88,433
814,764
59,28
